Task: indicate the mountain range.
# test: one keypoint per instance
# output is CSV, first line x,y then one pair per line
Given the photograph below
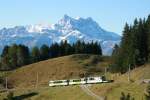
x,y
67,28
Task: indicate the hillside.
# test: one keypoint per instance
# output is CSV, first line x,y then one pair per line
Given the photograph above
x,y
73,66
136,87
51,93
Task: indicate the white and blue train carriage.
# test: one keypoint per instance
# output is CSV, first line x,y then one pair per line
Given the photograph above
x,y
87,80
91,80
77,81
58,83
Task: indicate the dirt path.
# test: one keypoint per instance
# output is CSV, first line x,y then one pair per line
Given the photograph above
x,y
89,92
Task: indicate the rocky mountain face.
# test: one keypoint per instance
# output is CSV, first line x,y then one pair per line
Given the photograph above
x,y
67,28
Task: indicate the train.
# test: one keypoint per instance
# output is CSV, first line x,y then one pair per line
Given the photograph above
x,y
81,81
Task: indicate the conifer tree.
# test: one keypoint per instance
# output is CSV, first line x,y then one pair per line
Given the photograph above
x,y
134,46
23,55
5,51
35,54
148,34
5,65
12,53
55,50
44,52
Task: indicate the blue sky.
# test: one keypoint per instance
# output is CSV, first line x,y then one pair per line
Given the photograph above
x,y
110,14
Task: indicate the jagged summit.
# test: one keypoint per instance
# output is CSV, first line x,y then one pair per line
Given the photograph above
x,y
67,28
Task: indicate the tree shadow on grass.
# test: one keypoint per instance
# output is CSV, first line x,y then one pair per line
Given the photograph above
x,y
24,96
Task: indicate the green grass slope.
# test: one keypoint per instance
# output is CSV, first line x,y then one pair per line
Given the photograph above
x,y
73,66
136,87
51,93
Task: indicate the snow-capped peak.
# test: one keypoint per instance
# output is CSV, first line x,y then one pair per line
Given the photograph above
x,y
78,18
67,28
66,17
65,20
38,28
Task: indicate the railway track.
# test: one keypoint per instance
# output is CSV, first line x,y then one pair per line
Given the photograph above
x,y
89,92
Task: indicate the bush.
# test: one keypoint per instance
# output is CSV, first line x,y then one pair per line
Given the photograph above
x,y
10,96
1,80
147,95
95,59
126,97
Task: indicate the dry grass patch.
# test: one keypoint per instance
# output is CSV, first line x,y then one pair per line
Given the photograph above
x,y
66,67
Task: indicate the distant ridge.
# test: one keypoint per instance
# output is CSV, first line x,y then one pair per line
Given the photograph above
x,y
67,28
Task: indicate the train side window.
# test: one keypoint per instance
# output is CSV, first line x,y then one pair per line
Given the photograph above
x,y
91,78
85,79
51,82
58,82
77,80
103,78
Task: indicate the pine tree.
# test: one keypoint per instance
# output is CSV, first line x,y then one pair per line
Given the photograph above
x,y
15,56
78,47
12,53
117,60
68,49
97,49
125,50
23,55
55,50
35,54
5,64
147,23
134,47
61,48
5,51
115,50
44,52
